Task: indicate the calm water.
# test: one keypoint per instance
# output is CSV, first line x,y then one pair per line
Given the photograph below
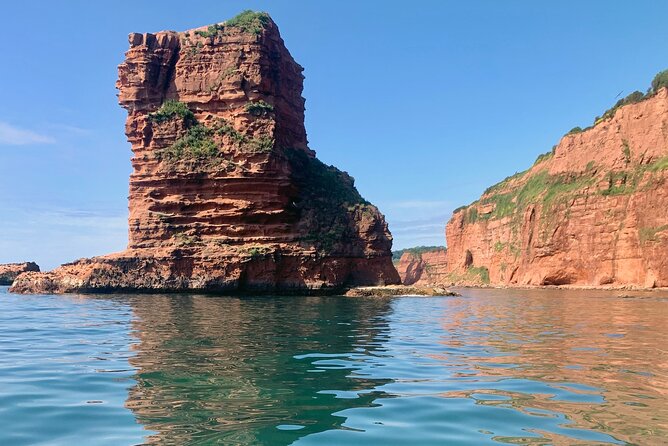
x,y
490,367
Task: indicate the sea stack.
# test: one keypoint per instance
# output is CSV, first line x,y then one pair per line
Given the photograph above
x,y
225,194
591,212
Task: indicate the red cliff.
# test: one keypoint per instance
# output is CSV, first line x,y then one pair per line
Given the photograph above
x,y
592,212
225,194
423,267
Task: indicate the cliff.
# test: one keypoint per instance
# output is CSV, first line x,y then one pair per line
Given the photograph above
x,y
592,212
421,267
225,194
10,271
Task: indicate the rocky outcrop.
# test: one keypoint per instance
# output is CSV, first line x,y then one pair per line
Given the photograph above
x,y
225,194
10,271
399,290
593,212
423,268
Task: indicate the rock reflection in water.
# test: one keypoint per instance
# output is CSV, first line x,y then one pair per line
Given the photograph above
x,y
597,360
492,366
251,371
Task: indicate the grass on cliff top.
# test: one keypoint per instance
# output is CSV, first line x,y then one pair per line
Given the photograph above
x,y
249,21
417,251
660,81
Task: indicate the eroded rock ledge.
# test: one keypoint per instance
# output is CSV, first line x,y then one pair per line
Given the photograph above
x,y
10,271
225,194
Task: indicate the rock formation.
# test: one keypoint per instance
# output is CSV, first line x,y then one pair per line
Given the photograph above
x,y
423,268
593,212
10,271
225,194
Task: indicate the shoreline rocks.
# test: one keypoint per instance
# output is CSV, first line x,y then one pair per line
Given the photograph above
x,y
399,290
10,271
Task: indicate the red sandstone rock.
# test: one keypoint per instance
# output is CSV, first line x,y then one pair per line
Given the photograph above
x,y
10,271
225,194
424,268
593,213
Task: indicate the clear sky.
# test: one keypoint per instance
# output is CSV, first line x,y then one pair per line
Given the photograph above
x,y
425,103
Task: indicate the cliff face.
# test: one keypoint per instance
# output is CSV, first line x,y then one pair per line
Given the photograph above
x,y
225,193
423,268
593,212
10,271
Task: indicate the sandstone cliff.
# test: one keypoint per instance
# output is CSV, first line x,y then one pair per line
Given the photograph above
x,y
10,271
594,211
225,194
423,267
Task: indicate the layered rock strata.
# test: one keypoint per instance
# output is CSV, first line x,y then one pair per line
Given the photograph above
x,y
225,194
593,212
423,268
10,271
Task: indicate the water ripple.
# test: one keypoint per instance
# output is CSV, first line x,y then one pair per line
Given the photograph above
x,y
490,367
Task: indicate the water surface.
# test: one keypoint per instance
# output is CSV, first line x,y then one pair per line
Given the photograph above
x,y
490,367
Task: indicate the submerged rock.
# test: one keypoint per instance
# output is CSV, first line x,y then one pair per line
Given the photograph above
x,y
225,194
10,271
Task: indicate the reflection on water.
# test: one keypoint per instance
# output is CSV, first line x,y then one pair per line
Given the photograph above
x,y
251,371
490,367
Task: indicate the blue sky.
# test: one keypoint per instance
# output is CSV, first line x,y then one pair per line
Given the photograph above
x,y
425,103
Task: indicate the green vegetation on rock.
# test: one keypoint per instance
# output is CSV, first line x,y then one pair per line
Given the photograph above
x,y
416,251
475,275
263,144
545,156
633,98
259,108
649,234
172,109
211,31
249,21
197,143
659,81
329,197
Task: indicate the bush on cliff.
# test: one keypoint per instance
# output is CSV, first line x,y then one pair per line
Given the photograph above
x,y
660,81
171,109
197,143
259,108
249,21
633,98
545,156
211,31
263,144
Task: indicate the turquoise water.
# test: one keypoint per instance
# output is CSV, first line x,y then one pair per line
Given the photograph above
x,y
490,367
